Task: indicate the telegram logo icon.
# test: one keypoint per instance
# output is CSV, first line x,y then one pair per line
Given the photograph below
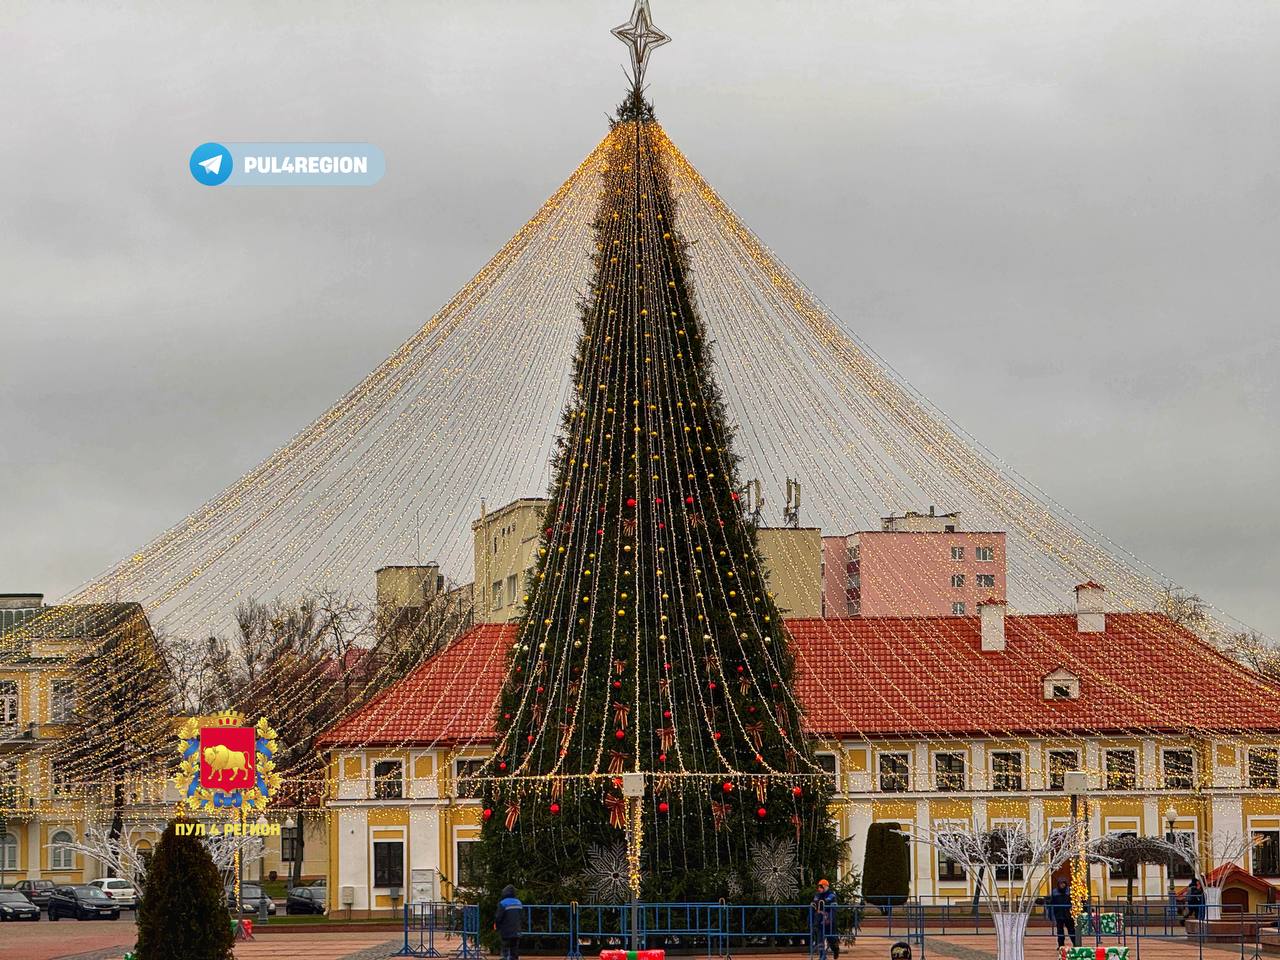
x,y
211,164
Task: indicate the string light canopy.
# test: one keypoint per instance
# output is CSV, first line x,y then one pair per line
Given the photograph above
x,y
463,411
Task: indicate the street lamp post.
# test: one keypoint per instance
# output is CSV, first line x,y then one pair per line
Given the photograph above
x,y
263,914
633,793
1076,784
1170,818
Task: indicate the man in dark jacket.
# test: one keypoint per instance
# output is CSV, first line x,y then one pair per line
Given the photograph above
x,y
1060,912
507,921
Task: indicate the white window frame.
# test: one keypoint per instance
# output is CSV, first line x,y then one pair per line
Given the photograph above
x,y
1164,769
10,703
458,843
957,581
984,554
995,824
981,584
1048,768
835,775
1261,825
957,553
1022,769
62,699
495,600
1106,767
403,840
957,609
943,827
1248,761
61,857
910,765
935,774
9,851
373,779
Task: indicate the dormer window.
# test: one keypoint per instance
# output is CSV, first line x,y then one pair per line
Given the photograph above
x,y
1062,685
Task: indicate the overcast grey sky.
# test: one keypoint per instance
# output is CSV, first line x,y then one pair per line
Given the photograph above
x,y
1060,221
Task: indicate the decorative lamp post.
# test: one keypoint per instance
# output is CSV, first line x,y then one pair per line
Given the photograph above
x,y
633,792
1170,818
1076,784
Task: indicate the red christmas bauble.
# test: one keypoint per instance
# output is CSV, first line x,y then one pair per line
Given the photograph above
x,y
529,738
688,500
733,496
762,812
617,684
711,685
600,533
796,791
716,735
488,812
540,689
631,501
506,716
555,808
727,787
666,666
619,734
663,807
666,714
548,531
759,759
741,668
662,758
502,765
657,499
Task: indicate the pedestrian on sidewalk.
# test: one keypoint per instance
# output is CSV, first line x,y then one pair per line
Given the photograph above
x,y
508,921
822,921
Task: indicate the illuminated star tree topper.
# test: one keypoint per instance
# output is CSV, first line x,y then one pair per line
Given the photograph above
x,y
641,37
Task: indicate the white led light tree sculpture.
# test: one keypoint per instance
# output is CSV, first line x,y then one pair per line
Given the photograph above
x,y
1011,867
1207,855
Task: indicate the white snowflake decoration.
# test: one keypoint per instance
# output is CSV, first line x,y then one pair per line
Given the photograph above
x,y
606,874
775,869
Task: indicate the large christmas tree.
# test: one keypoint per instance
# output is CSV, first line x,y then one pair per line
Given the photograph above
x,y
649,641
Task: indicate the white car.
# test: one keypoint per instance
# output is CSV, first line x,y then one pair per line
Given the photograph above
x,y
121,891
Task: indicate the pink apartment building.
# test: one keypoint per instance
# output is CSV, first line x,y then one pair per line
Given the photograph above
x,y
916,565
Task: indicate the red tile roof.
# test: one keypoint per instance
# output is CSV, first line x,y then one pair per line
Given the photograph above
x,y
891,676
882,676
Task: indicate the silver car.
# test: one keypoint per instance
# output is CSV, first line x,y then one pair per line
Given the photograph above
x,y
121,891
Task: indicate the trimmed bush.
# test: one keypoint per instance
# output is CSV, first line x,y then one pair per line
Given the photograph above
x,y
886,868
183,915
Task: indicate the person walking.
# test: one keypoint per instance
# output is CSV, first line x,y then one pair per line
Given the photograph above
x,y
1060,913
508,921
822,921
1194,899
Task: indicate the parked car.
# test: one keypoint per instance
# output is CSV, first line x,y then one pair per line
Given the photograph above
x,y
251,895
305,900
121,891
82,902
37,891
14,906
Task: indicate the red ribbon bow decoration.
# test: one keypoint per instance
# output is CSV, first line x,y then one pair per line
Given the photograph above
x,y
567,526
566,731
619,666
719,813
617,761
557,789
762,788
791,760
620,713
666,737
617,810
744,684
795,822
695,519
513,814
629,527
756,732
664,684
711,661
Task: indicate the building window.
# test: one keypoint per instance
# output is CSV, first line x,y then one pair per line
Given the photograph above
x,y
1266,853
388,780
957,553
1263,772
985,579
1122,769
388,863
957,609
466,767
948,769
895,772
949,869
1122,870
59,780
511,588
8,852
61,856
288,844
1181,870
999,844
1060,763
986,554
470,872
827,761
1006,771
62,701
1179,770
957,580
8,702
496,593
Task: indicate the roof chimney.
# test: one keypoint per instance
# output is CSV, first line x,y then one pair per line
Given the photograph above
x,y
1090,617
991,613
